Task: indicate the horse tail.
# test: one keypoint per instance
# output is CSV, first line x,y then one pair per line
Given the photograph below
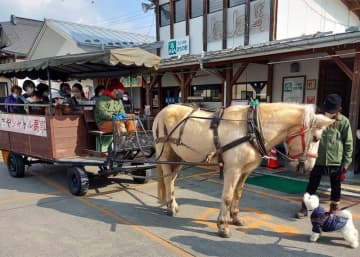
x,y
161,184
157,125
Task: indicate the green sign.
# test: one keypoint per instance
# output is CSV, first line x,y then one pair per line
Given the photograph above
x,y
178,46
172,47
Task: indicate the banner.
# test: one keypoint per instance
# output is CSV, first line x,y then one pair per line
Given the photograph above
x,y
24,124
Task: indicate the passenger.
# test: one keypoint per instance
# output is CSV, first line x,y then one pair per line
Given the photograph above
x,y
57,101
44,90
76,98
65,90
107,105
127,103
36,98
99,90
28,87
11,99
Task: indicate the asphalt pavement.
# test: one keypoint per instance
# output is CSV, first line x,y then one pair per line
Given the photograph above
x,y
39,217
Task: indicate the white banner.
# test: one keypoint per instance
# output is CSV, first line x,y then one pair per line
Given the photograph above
x,y
24,124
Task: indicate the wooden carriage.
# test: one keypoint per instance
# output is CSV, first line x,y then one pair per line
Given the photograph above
x,y
69,139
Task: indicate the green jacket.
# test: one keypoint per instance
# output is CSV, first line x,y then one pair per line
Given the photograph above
x,y
336,144
105,107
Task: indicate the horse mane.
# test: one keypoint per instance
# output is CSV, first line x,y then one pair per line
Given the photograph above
x,y
309,113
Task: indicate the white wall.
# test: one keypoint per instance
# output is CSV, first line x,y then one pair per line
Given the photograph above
x,y
309,69
196,35
164,36
253,72
305,17
180,29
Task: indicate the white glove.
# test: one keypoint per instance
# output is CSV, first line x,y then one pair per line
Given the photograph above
x,y
314,237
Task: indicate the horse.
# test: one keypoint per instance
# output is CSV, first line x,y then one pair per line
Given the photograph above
x,y
184,133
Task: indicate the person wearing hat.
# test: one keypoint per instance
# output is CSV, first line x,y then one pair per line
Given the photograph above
x,y
334,154
107,104
57,101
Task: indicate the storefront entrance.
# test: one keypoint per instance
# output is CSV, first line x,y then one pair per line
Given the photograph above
x,y
333,80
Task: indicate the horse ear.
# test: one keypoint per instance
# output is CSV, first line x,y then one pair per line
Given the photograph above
x,y
322,121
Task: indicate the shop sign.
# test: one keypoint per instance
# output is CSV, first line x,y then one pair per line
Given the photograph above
x,y
178,46
24,124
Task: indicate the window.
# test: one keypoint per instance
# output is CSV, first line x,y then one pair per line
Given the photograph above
x,y
3,89
180,10
256,90
215,5
197,8
205,93
164,15
233,3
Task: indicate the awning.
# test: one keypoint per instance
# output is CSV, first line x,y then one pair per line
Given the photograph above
x,y
107,63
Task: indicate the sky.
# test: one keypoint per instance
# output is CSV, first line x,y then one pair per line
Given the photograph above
x,y
124,15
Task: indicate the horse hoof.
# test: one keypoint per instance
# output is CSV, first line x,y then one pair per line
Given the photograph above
x,y
238,222
225,233
171,213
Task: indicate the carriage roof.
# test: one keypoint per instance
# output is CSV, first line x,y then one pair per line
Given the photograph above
x,y
106,63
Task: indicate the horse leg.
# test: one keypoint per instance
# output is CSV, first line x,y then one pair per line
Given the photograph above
x,y
235,205
231,177
170,174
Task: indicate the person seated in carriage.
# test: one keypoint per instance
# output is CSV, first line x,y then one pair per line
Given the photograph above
x,y
108,104
11,99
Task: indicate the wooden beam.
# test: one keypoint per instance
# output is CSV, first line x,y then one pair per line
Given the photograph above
x,y
192,74
247,23
157,15
238,73
177,78
273,19
172,18
341,64
205,25
225,17
355,100
270,81
188,13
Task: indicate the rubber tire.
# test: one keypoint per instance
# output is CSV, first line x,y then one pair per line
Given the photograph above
x,y
16,165
78,181
139,173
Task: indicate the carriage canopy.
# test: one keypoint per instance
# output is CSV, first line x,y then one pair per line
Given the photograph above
x,y
107,63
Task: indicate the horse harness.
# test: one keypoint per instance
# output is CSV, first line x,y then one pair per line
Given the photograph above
x,y
254,135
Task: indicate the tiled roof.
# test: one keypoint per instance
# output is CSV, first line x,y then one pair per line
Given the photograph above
x,y
21,35
88,35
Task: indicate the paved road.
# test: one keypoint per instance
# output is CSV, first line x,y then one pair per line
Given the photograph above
x,y
118,218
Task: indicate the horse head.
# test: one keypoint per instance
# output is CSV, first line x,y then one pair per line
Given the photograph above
x,y
302,146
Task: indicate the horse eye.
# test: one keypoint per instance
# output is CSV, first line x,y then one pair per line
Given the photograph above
x,y
315,139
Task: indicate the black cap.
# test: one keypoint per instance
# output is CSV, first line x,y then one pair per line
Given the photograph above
x,y
332,103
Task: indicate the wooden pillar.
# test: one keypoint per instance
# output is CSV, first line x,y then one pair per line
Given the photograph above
x,y
270,79
229,86
172,18
205,25
247,23
225,18
354,101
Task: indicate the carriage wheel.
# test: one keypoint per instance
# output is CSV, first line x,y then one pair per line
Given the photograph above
x,y
141,173
16,165
78,181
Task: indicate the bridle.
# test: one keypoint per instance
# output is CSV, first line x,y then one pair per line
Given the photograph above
x,y
304,135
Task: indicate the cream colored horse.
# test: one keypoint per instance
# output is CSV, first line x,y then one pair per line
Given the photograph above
x,y
279,121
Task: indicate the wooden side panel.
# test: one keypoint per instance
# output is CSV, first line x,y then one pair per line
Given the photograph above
x,y
4,140
20,143
69,136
